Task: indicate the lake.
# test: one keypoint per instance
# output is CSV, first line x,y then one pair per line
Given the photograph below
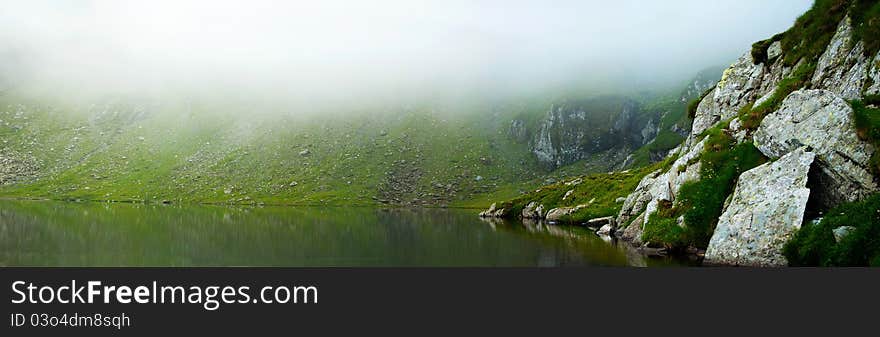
x,y
53,233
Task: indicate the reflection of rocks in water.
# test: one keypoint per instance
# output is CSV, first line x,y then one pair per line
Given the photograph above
x,y
494,223
634,257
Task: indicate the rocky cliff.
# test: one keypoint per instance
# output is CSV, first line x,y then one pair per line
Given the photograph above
x,y
799,117
573,131
617,131
788,134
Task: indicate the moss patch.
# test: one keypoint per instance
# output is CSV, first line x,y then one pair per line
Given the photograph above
x,y
867,121
865,17
814,244
759,49
811,33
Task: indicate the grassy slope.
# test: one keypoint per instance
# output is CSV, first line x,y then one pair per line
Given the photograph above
x,y
599,193
189,152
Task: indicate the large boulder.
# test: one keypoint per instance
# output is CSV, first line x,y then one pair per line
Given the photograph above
x,y
558,213
766,208
843,67
823,121
633,232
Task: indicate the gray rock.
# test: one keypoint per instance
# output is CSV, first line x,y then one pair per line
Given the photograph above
x,y
740,84
843,67
489,213
635,202
573,131
874,74
649,131
774,51
706,115
558,213
841,232
605,229
517,131
824,121
657,187
533,211
16,166
633,232
603,221
766,209
305,152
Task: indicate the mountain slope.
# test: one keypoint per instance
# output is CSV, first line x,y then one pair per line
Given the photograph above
x,y
803,97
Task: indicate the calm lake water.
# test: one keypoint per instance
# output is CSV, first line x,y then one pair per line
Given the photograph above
x,y
48,233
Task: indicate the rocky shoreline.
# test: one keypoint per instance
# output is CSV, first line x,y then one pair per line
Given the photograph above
x,y
605,227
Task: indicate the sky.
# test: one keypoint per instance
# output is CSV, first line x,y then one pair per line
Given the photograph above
x,y
334,51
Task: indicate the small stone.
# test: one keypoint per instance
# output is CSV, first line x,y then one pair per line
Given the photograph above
x,y
841,232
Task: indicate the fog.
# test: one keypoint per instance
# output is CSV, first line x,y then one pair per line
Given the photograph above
x,y
353,51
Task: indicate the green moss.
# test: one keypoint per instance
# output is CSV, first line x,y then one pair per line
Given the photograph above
x,y
808,38
665,231
759,49
865,16
666,140
811,33
814,244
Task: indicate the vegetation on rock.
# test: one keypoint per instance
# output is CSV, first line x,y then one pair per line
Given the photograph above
x,y
700,202
598,194
815,243
751,116
867,120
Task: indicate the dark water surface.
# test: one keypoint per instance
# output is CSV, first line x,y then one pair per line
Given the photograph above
x,y
50,233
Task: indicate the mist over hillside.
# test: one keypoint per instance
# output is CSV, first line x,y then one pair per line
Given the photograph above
x,y
390,102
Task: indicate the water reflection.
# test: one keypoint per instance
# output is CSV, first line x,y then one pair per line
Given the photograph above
x,y
99,234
